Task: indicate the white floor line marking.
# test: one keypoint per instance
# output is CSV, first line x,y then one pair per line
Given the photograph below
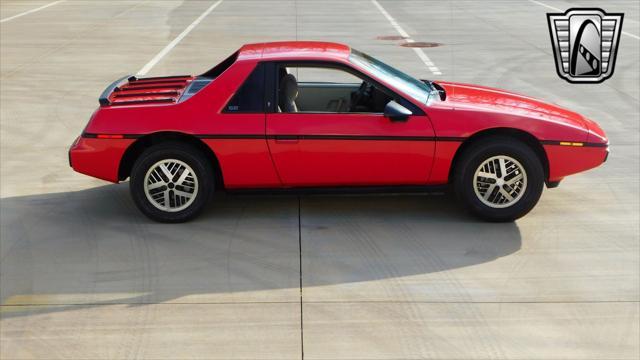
x,y
145,69
547,6
421,54
631,35
558,10
31,11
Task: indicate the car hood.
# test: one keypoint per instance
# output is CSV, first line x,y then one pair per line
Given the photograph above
x,y
480,98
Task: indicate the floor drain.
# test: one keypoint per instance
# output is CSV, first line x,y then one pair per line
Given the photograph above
x,y
391,37
420,44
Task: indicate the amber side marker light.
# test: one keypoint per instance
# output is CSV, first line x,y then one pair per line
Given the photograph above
x,y
566,143
110,136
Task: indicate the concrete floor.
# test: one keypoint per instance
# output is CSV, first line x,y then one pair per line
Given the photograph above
x,y
84,275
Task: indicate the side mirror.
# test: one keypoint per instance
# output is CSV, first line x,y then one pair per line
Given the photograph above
x,y
396,112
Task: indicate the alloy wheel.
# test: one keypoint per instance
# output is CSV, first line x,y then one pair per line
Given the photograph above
x,y
171,185
500,181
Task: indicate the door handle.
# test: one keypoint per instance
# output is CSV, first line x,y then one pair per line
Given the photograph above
x,y
286,139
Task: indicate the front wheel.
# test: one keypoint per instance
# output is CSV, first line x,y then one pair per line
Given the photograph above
x,y
171,182
499,179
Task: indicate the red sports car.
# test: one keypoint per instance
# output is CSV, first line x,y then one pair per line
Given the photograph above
x,y
288,115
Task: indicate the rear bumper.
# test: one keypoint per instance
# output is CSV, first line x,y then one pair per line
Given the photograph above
x,y
99,158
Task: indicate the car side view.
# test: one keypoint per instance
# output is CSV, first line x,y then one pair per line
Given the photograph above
x,y
297,115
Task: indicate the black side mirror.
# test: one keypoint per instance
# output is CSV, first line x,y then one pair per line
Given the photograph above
x,y
396,112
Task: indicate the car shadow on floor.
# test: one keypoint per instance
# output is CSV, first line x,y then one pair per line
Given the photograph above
x,y
93,247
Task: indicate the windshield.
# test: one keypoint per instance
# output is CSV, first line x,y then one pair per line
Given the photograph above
x,y
417,89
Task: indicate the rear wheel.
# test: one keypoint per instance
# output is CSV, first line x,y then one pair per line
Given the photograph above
x,y
499,179
171,182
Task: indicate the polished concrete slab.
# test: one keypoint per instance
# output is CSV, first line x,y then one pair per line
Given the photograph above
x,y
84,275
414,330
153,331
419,248
97,249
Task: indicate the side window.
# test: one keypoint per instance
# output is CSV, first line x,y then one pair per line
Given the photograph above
x,y
250,96
326,89
323,75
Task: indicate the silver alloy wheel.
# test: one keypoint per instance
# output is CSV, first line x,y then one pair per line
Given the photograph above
x,y
500,181
171,185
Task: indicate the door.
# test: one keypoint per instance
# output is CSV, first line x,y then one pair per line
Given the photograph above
x,y
342,138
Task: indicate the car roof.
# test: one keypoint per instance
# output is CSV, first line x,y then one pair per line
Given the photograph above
x,y
294,50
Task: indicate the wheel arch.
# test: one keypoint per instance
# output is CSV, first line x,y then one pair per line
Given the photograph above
x,y
524,136
136,149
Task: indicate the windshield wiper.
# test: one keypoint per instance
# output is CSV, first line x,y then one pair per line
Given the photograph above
x,y
436,87
441,90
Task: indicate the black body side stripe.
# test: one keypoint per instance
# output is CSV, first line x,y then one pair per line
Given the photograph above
x,y
229,136
450,138
303,137
124,136
347,137
334,137
573,143
351,137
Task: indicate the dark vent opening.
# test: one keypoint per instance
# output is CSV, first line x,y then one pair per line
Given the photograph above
x,y
196,85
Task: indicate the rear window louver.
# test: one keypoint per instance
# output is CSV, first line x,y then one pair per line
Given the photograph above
x,y
153,90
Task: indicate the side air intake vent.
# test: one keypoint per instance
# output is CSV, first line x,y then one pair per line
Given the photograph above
x,y
195,86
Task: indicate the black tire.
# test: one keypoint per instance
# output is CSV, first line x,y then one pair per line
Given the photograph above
x,y
184,153
483,150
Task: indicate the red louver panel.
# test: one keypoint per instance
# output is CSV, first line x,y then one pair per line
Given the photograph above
x,y
149,90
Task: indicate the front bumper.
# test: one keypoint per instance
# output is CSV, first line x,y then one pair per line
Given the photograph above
x,y
568,160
